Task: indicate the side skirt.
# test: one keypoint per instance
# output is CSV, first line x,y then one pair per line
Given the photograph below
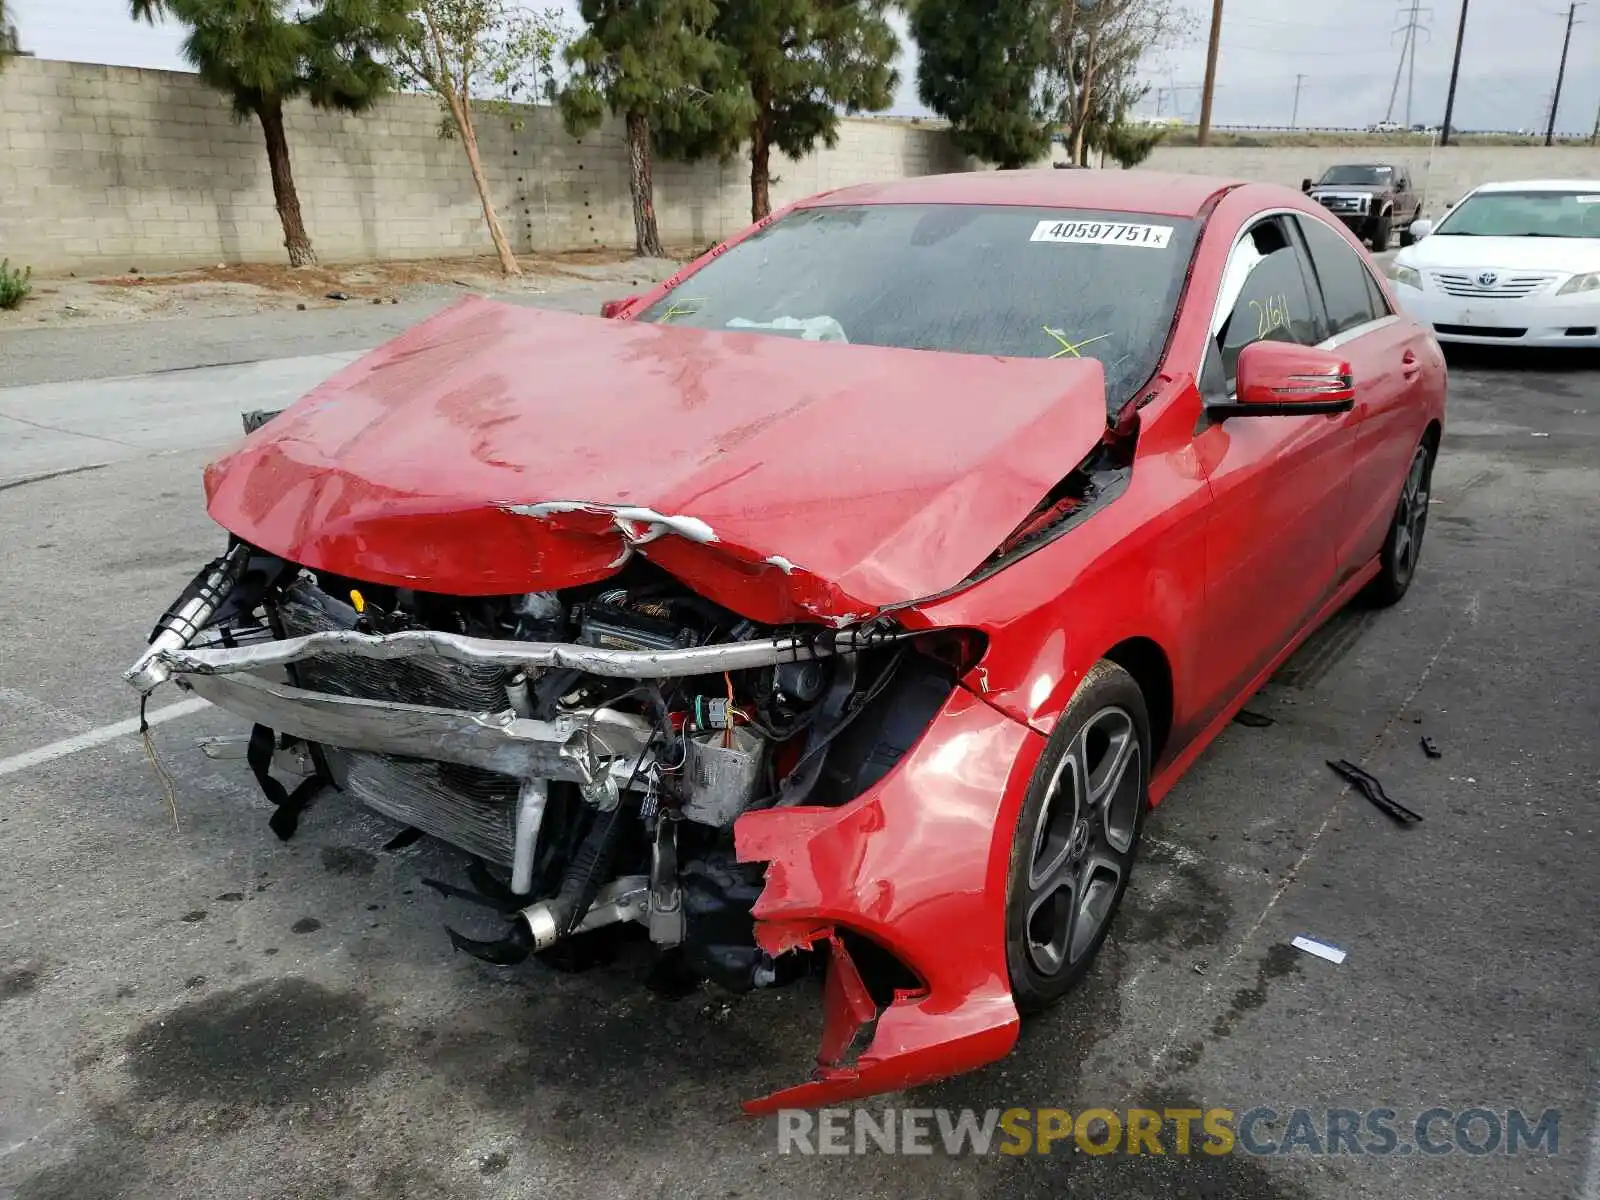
x,y
1169,774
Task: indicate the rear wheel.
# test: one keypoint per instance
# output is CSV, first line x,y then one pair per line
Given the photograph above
x,y
1076,837
1403,547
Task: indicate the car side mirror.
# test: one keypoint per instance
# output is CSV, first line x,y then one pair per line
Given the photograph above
x,y
1285,379
1305,185
1421,228
611,308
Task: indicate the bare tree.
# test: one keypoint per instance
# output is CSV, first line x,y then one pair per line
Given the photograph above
x,y
8,35
1097,48
483,55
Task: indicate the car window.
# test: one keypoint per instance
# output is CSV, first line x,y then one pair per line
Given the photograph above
x,y
1358,175
1342,276
1380,302
961,278
1274,302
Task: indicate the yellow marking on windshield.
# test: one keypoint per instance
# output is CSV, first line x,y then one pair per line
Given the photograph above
x,y
682,308
1071,348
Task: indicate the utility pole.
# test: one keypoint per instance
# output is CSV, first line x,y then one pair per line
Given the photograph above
x,y
1455,74
1294,117
1210,86
1595,136
1561,74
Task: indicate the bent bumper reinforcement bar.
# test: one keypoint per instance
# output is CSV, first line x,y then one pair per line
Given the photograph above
x,y
578,747
162,661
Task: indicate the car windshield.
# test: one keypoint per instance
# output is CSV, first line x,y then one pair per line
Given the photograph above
x,y
1526,214
1364,176
966,279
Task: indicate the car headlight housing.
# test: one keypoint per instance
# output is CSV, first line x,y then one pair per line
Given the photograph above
x,y
1408,276
1580,283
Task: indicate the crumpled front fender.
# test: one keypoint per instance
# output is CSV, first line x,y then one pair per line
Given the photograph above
x,y
919,865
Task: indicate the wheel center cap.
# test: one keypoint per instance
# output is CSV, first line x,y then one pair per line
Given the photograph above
x,y
1080,839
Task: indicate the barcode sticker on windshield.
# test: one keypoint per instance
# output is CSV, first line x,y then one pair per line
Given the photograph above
x,y
1103,233
1588,199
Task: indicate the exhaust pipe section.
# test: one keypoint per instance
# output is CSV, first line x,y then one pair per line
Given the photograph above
x,y
539,926
626,898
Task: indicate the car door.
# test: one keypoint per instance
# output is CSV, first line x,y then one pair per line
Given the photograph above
x,y
1277,482
1387,357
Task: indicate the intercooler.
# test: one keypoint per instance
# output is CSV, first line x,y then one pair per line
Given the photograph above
x,y
465,806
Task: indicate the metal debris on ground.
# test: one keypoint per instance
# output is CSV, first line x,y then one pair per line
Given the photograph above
x,y
338,296
1253,720
1372,789
1431,748
1321,949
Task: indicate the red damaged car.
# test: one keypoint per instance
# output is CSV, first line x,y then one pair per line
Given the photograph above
x,y
847,600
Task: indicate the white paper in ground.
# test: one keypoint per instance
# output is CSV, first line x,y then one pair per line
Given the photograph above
x,y
1321,949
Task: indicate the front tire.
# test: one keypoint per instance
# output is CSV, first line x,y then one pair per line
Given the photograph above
x,y
1380,234
1402,548
1077,837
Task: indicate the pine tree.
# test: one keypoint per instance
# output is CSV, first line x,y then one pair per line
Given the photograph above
x,y
799,62
646,61
980,68
263,53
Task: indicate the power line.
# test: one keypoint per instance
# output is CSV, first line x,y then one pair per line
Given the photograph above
x,y
1412,14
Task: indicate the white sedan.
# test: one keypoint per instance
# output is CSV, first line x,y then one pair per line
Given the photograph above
x,y
1512,263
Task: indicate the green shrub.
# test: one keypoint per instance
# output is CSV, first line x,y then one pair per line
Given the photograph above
x,y
14,284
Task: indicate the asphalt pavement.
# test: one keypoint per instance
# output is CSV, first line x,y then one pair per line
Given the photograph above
x,y
189,1008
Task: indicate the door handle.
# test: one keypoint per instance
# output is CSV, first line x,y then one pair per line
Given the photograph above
x,y
1409,366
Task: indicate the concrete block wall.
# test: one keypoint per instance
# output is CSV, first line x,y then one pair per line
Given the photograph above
x,y
1447,171
107,168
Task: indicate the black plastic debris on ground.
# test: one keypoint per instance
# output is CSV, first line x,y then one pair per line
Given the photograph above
x,y
1430,748
1253,720
406,837
1372,789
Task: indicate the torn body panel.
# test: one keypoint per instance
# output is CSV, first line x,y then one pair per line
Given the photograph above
x,y
918,865
497,450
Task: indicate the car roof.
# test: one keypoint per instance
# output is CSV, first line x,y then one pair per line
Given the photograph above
x,y
1107,191
1541,185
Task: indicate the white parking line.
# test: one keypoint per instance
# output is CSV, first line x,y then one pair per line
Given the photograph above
x,y
96,737
1589,1189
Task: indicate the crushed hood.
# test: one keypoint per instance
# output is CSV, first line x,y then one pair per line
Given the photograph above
x,y
497,450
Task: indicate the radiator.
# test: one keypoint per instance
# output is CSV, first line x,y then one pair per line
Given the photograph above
x,y
469,808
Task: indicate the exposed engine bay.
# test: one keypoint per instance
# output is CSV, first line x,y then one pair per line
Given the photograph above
x,y
590,748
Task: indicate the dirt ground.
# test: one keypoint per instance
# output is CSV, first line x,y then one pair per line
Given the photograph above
x,y
249,288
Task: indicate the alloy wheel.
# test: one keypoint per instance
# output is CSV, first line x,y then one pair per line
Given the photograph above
x,y
1411,518
1083,841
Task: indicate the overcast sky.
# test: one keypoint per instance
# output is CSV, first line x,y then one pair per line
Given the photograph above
x,y
1342,48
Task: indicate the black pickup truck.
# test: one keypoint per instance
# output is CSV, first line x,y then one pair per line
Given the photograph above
x,y
1371,198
